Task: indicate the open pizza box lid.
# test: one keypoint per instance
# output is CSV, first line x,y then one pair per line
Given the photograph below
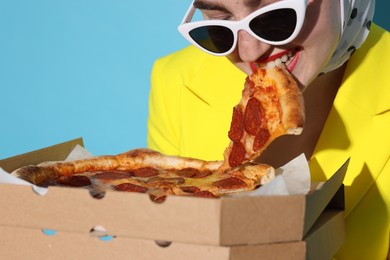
x,y
225,221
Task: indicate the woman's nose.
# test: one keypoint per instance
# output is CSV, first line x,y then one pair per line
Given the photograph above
x,y
249,48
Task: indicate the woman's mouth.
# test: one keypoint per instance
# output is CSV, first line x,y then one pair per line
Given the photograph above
x,y
289,58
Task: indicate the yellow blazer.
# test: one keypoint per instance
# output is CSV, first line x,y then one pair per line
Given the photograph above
x,y
190,109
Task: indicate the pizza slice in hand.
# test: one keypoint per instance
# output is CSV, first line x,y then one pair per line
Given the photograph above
x,y
271,106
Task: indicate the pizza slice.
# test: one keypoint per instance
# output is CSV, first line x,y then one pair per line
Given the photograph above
x,y
271,105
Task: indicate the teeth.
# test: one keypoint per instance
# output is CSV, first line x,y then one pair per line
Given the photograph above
x,y
286,58
279,61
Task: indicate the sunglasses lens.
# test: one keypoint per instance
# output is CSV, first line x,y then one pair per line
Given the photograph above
x,y
276,25
216,39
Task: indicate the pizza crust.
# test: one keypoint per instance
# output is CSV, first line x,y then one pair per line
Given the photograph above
x,y
289,94
291,100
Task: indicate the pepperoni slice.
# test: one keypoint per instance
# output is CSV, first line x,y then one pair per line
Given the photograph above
x,y
204,194
112,175
193,173
146,172
129,187
230,183
252,116
237,154
75,181
190,189
202,174
158,198
187,172
261,139
236,127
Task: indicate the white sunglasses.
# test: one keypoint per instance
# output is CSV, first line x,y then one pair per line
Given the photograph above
x,y
275,24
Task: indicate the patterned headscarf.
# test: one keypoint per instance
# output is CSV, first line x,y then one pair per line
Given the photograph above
x,y
356,17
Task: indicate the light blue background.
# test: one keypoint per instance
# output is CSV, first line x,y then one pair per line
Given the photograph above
x,y
82,68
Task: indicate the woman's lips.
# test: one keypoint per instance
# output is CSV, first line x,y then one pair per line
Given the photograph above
x,y
288,57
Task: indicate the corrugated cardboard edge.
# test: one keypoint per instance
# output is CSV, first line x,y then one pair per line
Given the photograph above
x,y
52,153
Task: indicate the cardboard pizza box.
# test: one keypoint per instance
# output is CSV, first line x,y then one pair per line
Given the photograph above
x,y
225,221
72,245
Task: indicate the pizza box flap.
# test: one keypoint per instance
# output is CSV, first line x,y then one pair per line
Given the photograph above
x,y
328,194
56,152
326,236
225,221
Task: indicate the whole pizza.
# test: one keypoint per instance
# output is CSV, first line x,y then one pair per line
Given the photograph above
x,y
271,105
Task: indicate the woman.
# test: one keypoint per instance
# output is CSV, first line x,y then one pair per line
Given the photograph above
x,y
340,70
